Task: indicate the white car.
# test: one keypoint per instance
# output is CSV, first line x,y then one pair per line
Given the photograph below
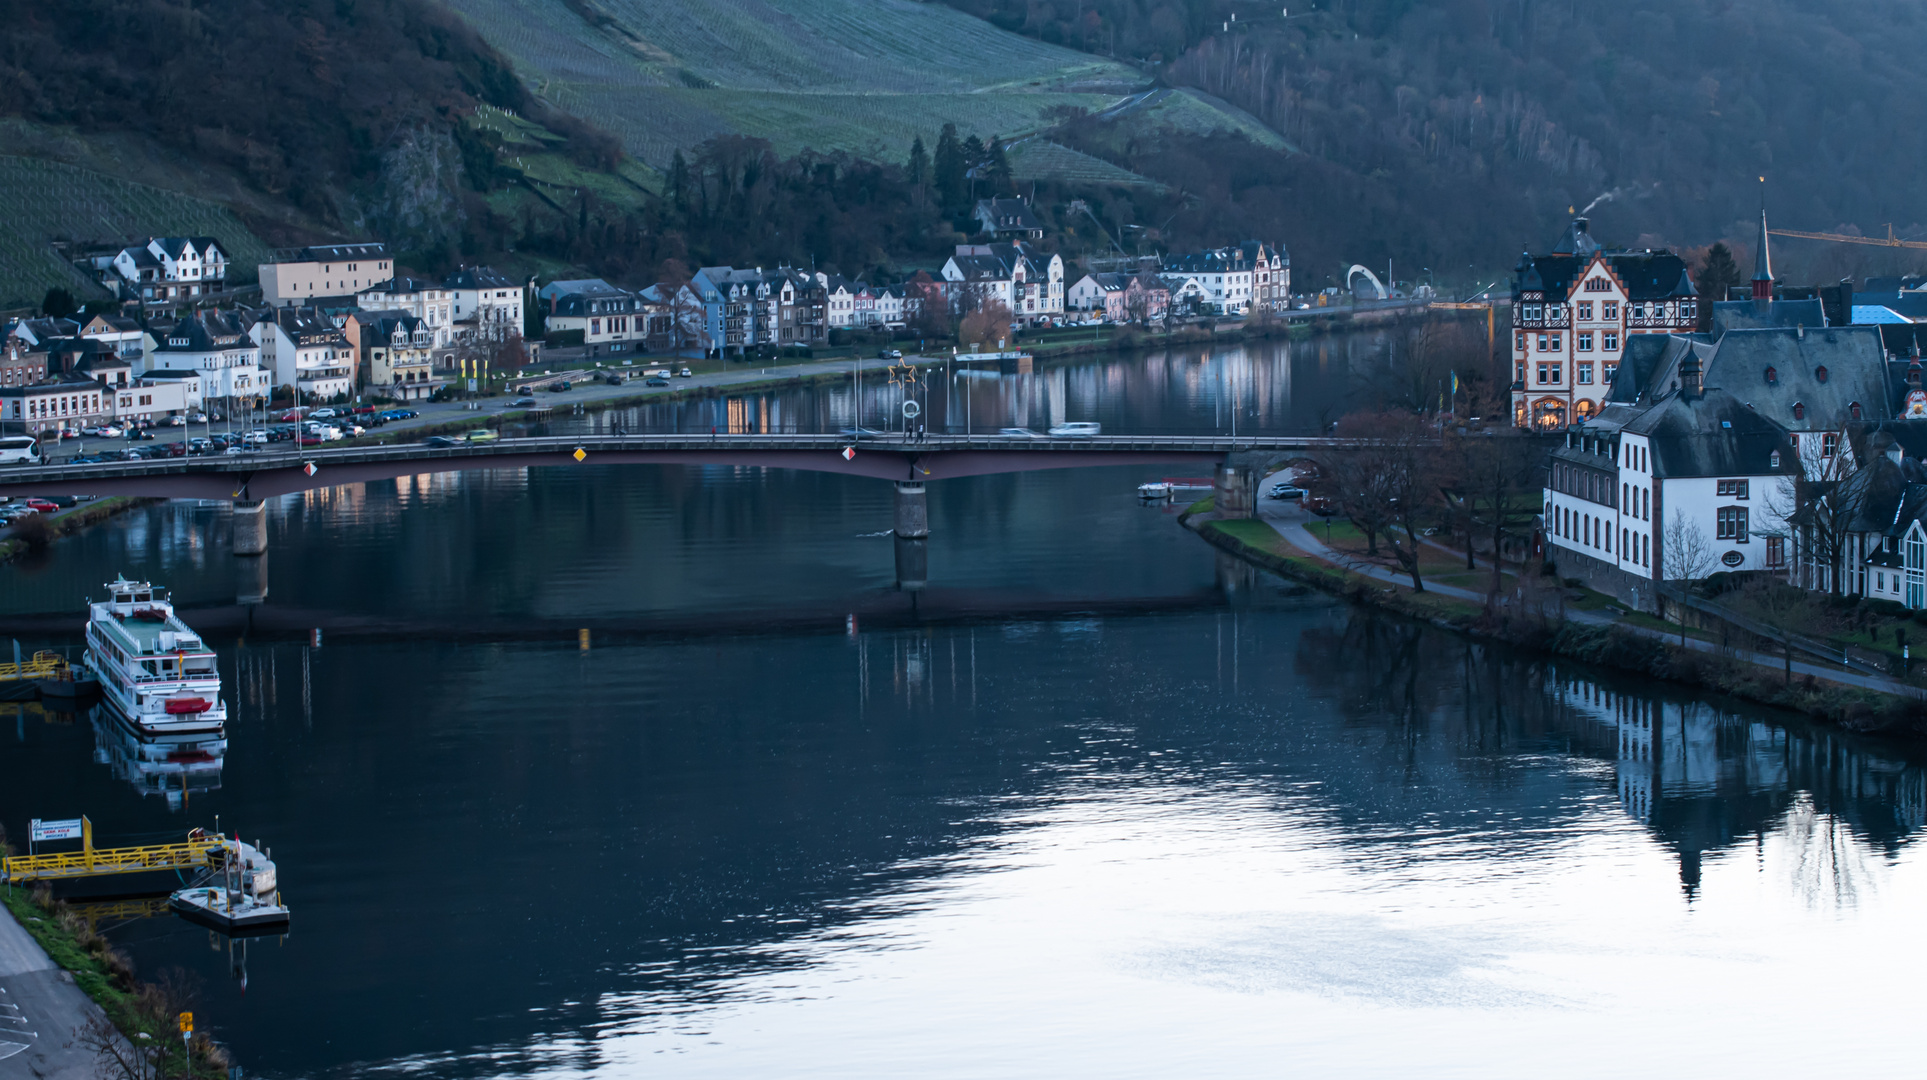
x,y
685,373
91,429
322,414
177,421
197,418
108,431
257,437
1077,429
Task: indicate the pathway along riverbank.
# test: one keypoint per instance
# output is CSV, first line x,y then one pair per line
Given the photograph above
x,y
1537,619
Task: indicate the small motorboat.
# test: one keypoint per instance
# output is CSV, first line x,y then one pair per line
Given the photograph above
x,y
1155,491
239,894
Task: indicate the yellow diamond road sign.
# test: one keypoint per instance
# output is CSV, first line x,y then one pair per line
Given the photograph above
x,y
580,453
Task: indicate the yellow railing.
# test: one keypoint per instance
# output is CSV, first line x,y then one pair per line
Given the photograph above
x,y
44,665
191,855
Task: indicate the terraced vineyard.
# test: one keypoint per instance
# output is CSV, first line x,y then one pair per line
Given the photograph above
x,y
864,76
1041,159
43,201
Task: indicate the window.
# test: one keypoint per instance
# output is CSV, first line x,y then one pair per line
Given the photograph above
x,y
1829,444
1775,551
1518,340
1853,409
1585,373
1543,346
1585,307
1772,377
1548,374
1597,284
1609,341
1735,489
1820,373
1732,524
1799,411
1585,341
1645,504
1609,310
1555,343
1773,459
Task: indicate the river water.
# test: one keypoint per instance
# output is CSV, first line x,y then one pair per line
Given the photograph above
x,y
664,772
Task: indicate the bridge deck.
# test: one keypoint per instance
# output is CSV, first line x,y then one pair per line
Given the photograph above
x,y
262,474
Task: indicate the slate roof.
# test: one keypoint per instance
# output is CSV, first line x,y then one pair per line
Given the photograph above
x,y
1007,215
1730,315
982,267
1856,371
477,277
1646,275
341,252
402,284
303,325
1714,434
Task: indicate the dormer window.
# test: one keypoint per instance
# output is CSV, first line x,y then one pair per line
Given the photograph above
x,y
1773,460
1853,410
1820,374
1799,411
1772,377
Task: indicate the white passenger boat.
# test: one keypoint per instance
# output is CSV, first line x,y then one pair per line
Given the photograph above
x,y
152,669
1155,491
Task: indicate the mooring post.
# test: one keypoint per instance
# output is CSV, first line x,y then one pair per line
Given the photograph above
x,y
1232,491
250,528
913,511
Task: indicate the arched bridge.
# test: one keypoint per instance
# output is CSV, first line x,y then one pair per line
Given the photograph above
x,y
248,478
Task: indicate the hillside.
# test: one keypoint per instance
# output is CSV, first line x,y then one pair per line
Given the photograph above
x,y
1457,132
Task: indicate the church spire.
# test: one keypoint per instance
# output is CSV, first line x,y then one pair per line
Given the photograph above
x,y
1762,255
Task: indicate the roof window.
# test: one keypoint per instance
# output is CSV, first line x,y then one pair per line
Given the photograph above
x,y
1820,373
1853,410
1772,376
1773,460
1799,411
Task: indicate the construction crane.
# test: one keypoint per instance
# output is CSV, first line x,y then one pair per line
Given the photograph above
x,y
1842,238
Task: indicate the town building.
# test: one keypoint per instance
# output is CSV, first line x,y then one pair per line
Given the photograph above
x,y
216,353
1025,279
394,354
306,353
487,305
21,363
63,402
150,401
167,270
1573,312
305,276
1007,218
121,333
611,320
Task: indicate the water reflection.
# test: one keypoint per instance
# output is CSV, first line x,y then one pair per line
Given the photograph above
x,y
173,767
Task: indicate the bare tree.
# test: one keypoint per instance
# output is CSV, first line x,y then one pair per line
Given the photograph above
x,y
1824,508
1496,479
1686,556
1386,482
988,323
1781,607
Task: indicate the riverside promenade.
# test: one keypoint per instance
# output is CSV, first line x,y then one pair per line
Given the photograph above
x,y
41,1012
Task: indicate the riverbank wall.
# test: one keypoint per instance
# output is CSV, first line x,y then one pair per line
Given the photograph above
x,y
1611,646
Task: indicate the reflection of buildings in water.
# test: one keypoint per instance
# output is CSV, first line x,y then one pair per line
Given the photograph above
x,y
174,767
1702,780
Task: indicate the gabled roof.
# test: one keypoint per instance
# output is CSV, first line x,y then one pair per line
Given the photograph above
x,y
1855,372
340,252
1730,315
1007,215
477,277
981,268
1714,434
400,284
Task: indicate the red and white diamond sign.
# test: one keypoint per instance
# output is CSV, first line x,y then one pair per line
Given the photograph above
x,y
309,468
849,452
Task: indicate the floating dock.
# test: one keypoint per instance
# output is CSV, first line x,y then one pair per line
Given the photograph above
x,y
90,862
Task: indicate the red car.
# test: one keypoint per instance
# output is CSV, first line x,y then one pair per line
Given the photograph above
x,y
41,506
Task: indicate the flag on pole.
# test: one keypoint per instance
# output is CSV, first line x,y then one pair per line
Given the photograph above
x,y
1455,382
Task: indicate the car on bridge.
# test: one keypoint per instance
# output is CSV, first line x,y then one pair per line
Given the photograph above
x,y
440,440
1076,429
482,435
1018,433
655,380
521,403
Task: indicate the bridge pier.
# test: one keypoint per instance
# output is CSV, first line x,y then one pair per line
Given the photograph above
x,y
250,527
913,564
1234,491
913,511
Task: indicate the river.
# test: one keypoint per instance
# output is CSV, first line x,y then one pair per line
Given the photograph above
x,y
664,771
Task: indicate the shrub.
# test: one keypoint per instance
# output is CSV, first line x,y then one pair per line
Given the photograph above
x,y
34,531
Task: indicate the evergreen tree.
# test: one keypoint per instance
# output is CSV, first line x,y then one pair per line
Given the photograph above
x,y
950,167
998,169
58,303
919,167
677,187
1719,272
973,152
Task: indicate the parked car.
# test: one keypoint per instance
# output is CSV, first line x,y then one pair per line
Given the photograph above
x,y
889,354
1321,507
109,431
177,420
440,440
685,373
1285,491
482,435
112,455
323,414
90,429
197,418
40,506
559,388
522,403
61,501
655,380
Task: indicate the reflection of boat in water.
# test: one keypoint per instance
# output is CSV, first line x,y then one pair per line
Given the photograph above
x,y
240,895
173,766
152,668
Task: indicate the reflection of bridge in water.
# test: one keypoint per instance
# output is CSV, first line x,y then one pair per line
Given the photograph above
x,y
248,478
